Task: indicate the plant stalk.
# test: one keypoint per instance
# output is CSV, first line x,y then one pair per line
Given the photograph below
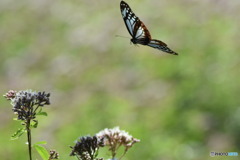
x,y
29,139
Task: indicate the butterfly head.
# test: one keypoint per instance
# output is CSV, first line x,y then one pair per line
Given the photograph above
x,y
134,41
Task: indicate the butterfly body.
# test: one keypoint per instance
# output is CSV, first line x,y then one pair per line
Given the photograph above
x,y
139,32
140,41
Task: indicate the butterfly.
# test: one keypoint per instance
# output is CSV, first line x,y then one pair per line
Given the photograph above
x,y
139,32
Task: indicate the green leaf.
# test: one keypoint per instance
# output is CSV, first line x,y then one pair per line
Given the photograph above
x,y
16,119
42,114
42,151
96,154
34,123
18,133
40,142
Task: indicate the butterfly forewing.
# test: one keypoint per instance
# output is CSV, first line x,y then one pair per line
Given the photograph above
x,y
138,31
135,27
129,17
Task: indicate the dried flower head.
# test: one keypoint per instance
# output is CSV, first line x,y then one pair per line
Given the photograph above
x,y
23,102
10,95
114,138
86,148
53,155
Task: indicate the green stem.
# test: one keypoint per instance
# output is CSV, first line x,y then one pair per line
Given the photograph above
x,y
29,139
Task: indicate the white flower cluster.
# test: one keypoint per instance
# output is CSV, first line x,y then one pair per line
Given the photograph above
x,y
116,135
114,138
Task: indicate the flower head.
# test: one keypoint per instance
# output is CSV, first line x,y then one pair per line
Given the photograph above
x,y
53,155
23,102
86,148
10,94
114,138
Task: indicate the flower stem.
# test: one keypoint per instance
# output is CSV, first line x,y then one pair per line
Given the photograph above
x,y
29,139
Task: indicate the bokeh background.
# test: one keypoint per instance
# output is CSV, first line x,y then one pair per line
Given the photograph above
x,y
181,107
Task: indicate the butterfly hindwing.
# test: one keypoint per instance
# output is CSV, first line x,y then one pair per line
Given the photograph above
x,y
139,32
161,46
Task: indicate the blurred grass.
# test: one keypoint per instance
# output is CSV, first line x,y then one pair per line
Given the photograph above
x,y
181,107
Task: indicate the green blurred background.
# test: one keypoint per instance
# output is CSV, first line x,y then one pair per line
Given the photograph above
x,y
181,107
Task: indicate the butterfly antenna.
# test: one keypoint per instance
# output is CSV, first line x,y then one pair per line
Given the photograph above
x,y
122,36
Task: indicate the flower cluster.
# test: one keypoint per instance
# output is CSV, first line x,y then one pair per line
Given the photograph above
x,y
23,102
114,138
10,95
53,155
87,147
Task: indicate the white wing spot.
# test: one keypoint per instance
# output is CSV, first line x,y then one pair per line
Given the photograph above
x,y
139,32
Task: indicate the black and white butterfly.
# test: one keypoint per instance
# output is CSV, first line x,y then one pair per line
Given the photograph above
x,y
139,32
